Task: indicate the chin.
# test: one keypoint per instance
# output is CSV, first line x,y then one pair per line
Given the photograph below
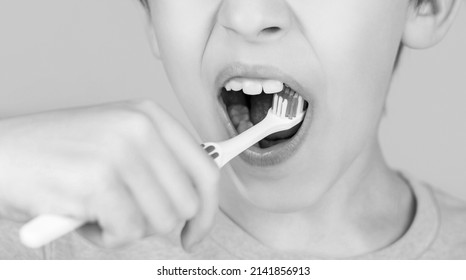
x,y
284,195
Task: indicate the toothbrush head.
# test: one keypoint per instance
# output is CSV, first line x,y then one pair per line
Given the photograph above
x,y
288,104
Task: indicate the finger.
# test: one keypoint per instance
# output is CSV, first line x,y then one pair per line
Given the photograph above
x,y
151,197
119,220
175,180
198,228
205,176
181,142
200,166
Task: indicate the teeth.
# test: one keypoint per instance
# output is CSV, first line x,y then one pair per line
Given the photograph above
x,y
271,86
235,85
244,125
254,86
238,114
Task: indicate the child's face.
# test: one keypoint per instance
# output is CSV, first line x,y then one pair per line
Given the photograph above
x,y
338,54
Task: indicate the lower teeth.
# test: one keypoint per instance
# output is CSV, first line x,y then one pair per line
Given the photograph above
x,y
238,113
243,126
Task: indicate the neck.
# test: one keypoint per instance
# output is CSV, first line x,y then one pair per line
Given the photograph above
x,y
368,208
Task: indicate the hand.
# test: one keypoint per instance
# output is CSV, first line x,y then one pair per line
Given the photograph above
x,y
128,169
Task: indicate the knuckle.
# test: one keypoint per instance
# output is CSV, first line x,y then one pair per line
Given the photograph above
x,y
137,122
166,226
101,173
132,132
136,233
190,208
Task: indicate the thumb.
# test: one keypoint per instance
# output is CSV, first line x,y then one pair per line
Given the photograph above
x,y
195,230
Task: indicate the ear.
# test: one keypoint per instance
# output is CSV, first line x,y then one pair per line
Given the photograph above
x,y
428,22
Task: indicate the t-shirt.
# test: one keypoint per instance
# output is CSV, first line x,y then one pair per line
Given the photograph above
x,y
438,231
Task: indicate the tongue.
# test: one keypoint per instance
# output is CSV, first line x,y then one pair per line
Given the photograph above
x,y
260,105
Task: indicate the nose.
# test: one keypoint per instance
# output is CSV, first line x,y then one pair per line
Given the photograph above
x,y
255,20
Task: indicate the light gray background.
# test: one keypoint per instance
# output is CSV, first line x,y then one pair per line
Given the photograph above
x,y
61,53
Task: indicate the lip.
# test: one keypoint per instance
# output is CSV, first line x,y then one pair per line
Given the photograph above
x,y
278,153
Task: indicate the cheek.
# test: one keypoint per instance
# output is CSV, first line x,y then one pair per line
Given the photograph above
x,y
179,39
182,30
356,46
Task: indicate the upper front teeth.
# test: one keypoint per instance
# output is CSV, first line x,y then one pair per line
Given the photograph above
x,y
253,86
234,85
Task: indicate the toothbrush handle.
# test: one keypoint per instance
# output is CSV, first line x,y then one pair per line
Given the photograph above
x,y
46,228
232,147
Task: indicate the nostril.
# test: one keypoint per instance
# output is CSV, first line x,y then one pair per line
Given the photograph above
x,y
271,30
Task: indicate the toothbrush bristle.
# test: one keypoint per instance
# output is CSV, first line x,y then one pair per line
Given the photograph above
x,y
288,108
284,108
300,104
287,104
280,106
294,104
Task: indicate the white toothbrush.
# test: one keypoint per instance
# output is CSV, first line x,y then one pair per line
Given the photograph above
x,y
286,112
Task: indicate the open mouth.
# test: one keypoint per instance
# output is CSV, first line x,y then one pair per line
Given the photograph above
x,y
247,101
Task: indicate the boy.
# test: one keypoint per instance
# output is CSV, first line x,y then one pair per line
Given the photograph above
x,y
321,190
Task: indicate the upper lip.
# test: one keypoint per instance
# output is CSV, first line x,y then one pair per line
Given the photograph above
x,y
241,70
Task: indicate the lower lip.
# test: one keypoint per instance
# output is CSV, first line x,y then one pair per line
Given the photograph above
x,y
276,154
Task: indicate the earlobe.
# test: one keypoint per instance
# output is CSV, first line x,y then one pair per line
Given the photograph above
x,y
428,22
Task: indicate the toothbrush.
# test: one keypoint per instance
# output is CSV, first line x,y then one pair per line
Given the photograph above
x,y
286,112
